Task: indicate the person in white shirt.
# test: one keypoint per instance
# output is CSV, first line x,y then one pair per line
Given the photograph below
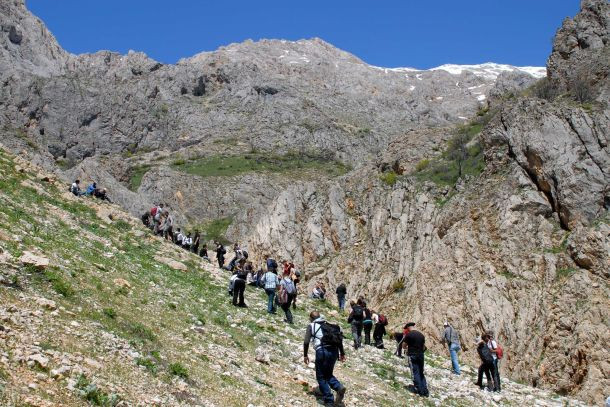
x,y
493,346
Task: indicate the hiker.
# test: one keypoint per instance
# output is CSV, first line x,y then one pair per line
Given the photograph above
x,y
328,344
187,241
220,254
179,237
451,338
101,194
156,212
416,346
91,188
196,241
487,363
319,292
271,282
495,353
286,295
355,318
168,226
75,188
367,324
341,293
146,219
271,263
203,253
288,266
380,323
239,286
296,279
398,337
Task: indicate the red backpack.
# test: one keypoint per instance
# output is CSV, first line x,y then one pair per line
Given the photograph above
x,y
153,211
499,351
383,320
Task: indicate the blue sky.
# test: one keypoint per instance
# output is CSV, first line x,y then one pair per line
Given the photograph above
x,y
392,33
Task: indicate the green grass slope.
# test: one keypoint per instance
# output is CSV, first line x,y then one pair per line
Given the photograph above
x,y
109,322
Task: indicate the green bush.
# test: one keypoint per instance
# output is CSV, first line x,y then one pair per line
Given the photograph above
x,y
60,285
422,165
148,364
389,178
109,312
176,369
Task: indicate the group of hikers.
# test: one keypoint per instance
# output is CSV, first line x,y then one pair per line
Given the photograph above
x,y
280,285
161,222
92,190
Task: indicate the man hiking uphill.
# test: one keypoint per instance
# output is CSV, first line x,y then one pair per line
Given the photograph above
x,y
452,339
416,346
327,341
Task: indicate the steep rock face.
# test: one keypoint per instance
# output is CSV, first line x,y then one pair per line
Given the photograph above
x,y
26,45
581,50
523,249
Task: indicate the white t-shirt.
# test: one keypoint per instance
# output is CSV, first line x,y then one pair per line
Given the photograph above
x,y
491,344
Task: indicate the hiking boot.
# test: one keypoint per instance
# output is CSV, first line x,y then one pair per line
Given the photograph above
x,y
340,396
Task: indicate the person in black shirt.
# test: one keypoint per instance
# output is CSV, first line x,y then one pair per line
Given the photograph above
x,y
326,357
239,286
416,345
220,254
341,293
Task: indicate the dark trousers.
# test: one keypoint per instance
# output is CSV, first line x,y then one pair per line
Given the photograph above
x,y
378,335
325,364
496,374
486,368
367,332
239,286
419,379
357,334
221,261
286,308
399,345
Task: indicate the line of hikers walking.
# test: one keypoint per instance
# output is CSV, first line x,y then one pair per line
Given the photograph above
x,y
280,285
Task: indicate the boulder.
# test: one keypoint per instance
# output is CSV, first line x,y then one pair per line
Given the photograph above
x,y
32,259
171,263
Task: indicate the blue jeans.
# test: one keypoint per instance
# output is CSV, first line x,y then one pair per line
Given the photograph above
x,y
270,297
341,301
325,363
454,348
417,370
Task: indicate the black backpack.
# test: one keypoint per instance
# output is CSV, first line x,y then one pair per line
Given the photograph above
x,y
273,264
331,335
357,313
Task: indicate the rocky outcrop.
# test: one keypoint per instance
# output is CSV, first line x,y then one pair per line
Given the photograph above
x,y
581,52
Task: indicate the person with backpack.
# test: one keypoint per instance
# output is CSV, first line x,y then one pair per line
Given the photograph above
x,y
380,323
416,346
156,212
367,324
187,241
327,341
101,194
270,282
496,353
285,297
341,293
487,363
270,263
239,286
451,338
168,226
355,318
220,254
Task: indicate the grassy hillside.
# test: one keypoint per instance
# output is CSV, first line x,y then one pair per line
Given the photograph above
x,y
109,321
